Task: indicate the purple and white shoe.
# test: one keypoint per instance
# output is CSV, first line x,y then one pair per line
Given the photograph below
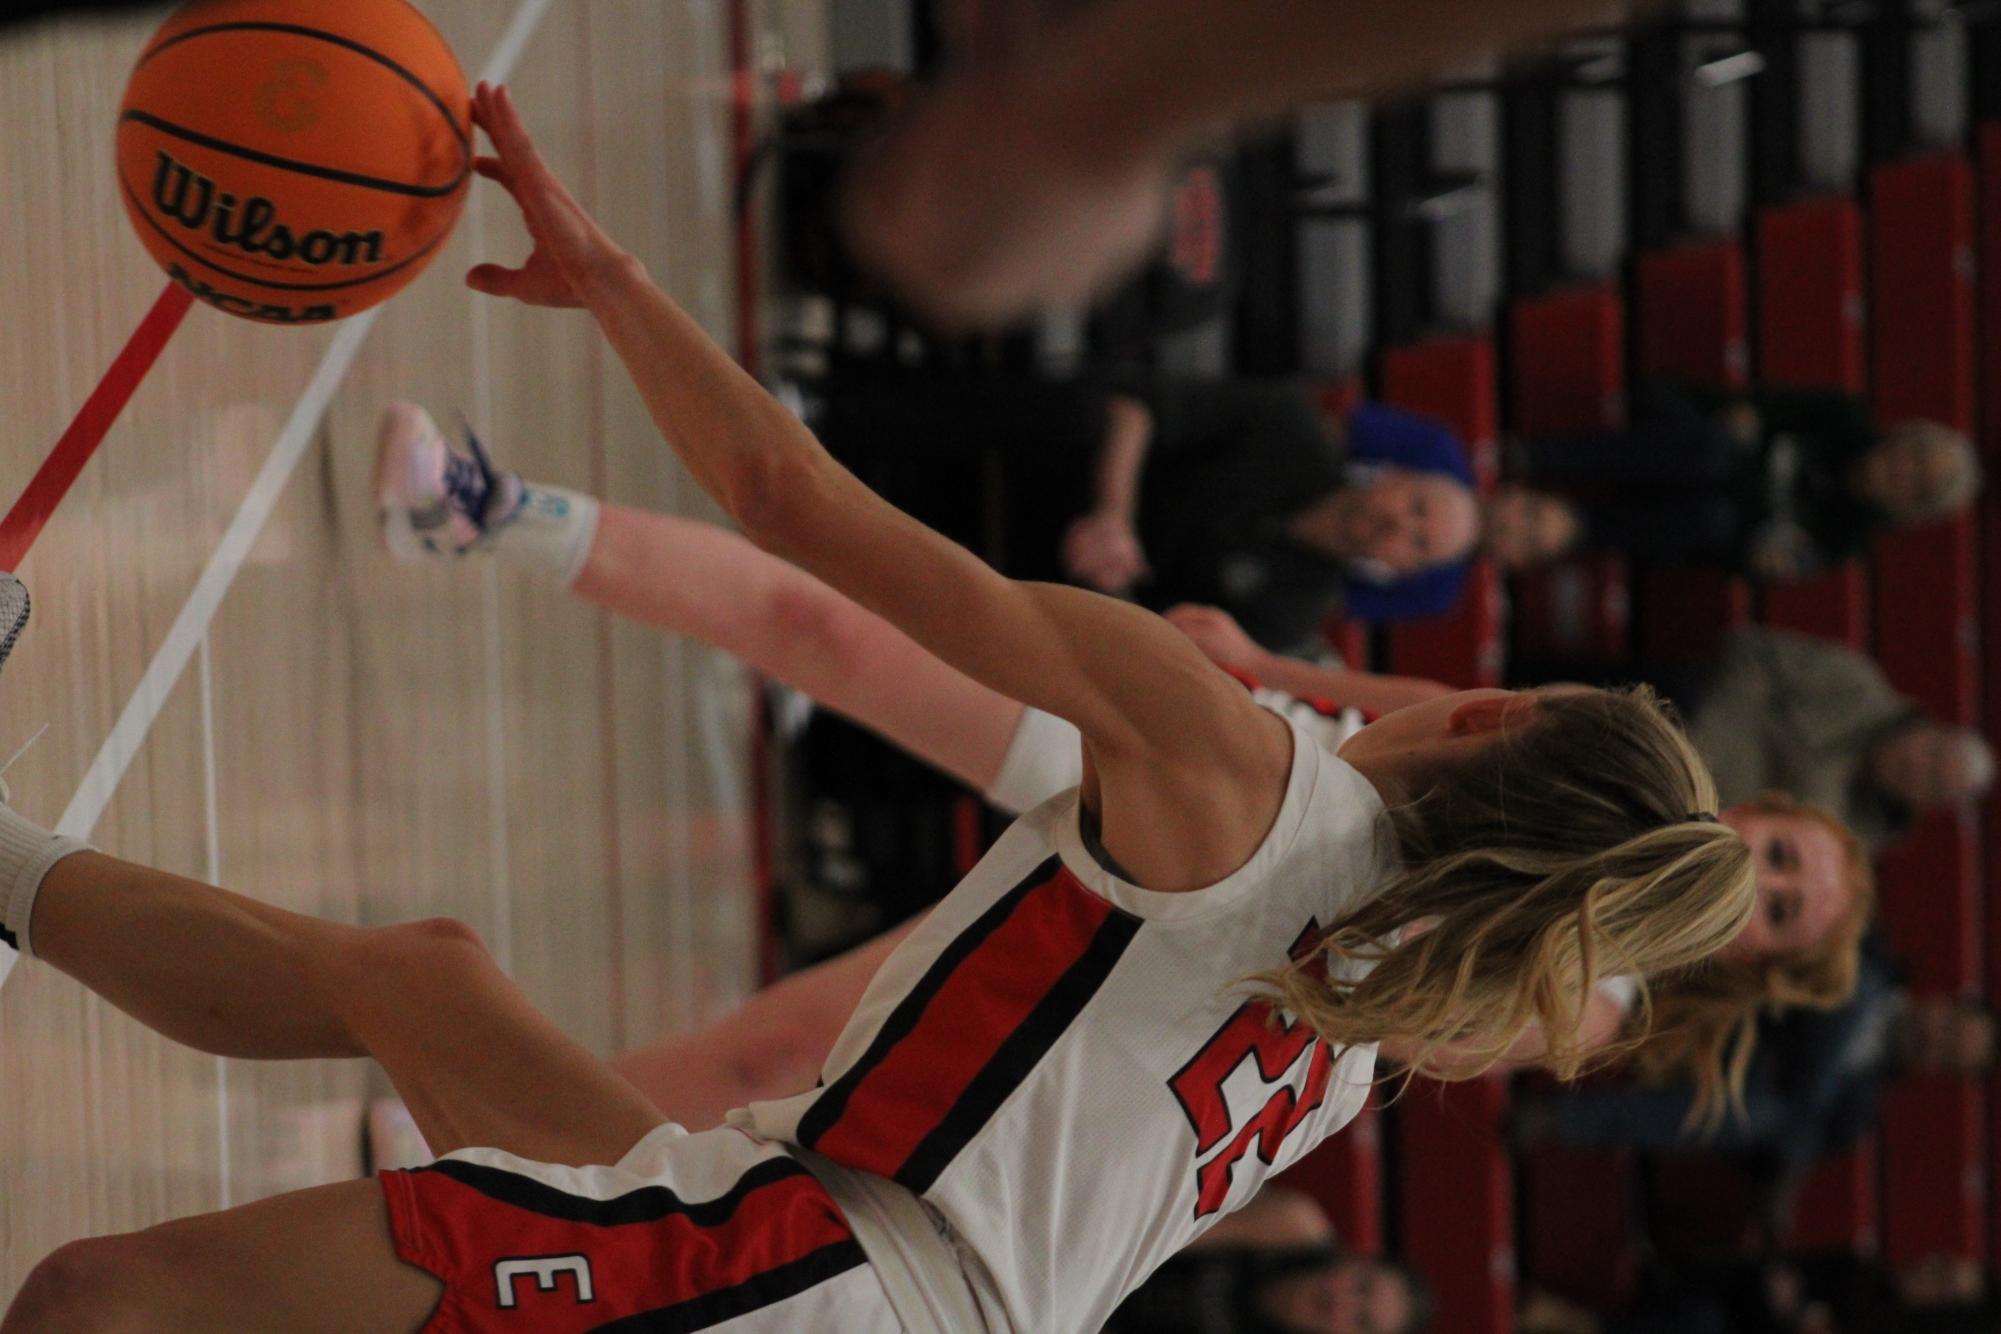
x,y
432,499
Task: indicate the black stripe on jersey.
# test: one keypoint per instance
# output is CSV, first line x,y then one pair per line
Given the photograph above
x,y
1018,1055
9,939
648,1204
767,1289
902,1021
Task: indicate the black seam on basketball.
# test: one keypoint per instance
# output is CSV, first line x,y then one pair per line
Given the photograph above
x,y
643,1204
320,34
167,127
200,258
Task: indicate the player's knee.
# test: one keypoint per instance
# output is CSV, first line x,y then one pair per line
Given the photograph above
x,y
438,933
430,946
97,1284
387,956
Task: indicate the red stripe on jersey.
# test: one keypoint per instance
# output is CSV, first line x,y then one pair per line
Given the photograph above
x,y
508,1262
988,996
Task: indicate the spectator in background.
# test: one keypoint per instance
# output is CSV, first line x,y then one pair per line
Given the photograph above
x,y
1780,484
1238,494
1815,1084
1273,1267
1819,720
1774,710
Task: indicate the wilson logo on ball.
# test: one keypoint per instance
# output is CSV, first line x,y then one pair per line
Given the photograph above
x,y
184,195
295,160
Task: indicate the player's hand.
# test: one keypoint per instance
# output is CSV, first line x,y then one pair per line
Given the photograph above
x,y
972,211
1103,551
571,250
1218,635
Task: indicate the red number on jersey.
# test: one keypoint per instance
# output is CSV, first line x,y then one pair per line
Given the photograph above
x,y
1277,1048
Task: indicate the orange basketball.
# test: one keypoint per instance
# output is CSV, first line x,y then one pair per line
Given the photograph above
x,y
295,160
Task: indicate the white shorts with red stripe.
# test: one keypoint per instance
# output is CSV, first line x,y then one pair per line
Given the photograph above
x,y
710,1231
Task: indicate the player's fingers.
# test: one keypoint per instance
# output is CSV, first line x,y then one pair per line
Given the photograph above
x,y
495,114
515,130
493,279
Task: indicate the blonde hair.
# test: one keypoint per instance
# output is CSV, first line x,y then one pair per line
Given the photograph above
x,y
1952,490
1577,844
1707,1020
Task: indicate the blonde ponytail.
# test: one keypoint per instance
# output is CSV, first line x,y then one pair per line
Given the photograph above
x,y
1580,843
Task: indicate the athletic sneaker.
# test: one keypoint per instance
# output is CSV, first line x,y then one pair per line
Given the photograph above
x,y
434,500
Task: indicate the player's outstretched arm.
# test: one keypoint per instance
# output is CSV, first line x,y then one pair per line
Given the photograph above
x,y
1189,771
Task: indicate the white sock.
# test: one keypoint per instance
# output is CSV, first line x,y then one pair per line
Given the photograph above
x,y
551,533
27,851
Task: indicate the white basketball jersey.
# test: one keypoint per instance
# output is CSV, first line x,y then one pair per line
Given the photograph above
x,y
1065,1068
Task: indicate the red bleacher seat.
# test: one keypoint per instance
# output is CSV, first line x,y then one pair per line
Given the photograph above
x,y
1837,1205
1691,322
1451,379
1810,332
1569,357
1345,1175
1834,605
1810,303
1457,1189
1934,1140
1580,1242
1810,325
1693,315
1569,360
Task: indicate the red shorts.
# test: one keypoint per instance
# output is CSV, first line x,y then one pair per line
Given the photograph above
x,y
686,1232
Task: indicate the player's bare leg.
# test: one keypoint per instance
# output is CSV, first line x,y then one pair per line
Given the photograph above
x,y
314,1260
477,1064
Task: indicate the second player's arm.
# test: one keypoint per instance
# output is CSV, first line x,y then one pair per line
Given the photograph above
x,y
694,578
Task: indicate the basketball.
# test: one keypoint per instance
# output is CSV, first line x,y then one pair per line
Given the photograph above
x,y
293,161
